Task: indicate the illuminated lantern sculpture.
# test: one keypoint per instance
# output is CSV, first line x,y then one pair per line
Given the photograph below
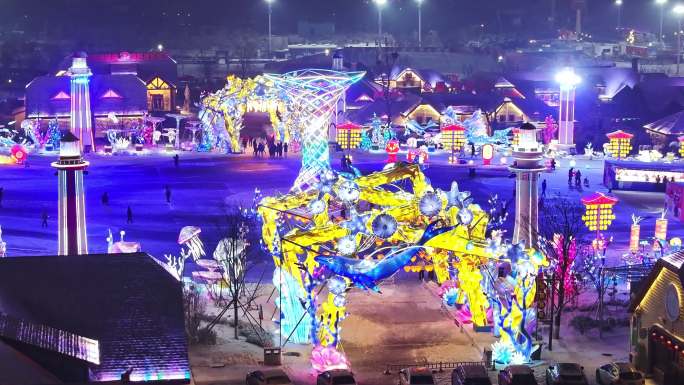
x,y
392,149
316,93
619,144
348,135
634,234
599,213
681,146
516,136
453,139
487,154
568,81
18,154
660,231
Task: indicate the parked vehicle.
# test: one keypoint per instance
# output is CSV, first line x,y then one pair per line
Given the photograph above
x,y
336,377
416,376
268,377
473,374
566,374
622,373
517,375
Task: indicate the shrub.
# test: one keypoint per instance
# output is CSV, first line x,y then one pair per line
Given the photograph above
x,y
583,324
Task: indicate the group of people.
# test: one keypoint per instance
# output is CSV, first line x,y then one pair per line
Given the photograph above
x,y
576,175
259,147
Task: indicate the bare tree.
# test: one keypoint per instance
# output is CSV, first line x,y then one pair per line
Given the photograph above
x,y
561,235
232,254
385,63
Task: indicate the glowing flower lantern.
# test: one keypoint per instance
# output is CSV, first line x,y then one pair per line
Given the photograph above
x,y
681,146
392,149
619,144
599,212
18,154
453,139
348,135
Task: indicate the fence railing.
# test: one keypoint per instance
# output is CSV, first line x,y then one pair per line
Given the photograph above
x,y
438,366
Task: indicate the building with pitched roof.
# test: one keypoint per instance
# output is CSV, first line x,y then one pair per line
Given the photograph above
x,y
91,318
127,85
657,321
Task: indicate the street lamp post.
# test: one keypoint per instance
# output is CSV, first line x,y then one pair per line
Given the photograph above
x,y
618,4
420,23
270,11
678,10
661,3
380,4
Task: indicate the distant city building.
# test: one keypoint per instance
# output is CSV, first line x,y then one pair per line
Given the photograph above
x,y
312,30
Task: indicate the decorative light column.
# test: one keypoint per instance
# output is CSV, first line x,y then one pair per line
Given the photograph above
x,y
568,81
619,144
453,139
598,215
528,155
81,120
73,238
635,234
681,146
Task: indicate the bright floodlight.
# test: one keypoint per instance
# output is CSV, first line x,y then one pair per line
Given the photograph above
x,y
678,9
419,2
380,3
618,2
567,78
660,2
269,1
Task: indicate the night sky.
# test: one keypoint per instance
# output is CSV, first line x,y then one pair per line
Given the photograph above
x,y
71,17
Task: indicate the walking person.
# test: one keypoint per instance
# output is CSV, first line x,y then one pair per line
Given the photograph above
x,y
44,223
571,173
105,199
129,215
578,178
285,148
167,193
544,188
176,160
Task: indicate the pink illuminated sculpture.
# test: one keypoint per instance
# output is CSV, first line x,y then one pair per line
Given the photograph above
x,y
327,358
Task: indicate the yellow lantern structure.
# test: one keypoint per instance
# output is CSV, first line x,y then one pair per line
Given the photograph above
x,y
599,212
453,139
348,135
619,144
681,146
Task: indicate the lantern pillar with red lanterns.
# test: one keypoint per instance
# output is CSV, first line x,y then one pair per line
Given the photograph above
x,y
453,139
598,215
619,143
528,156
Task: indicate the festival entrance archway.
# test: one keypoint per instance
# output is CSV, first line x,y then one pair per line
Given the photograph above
x,y
353,231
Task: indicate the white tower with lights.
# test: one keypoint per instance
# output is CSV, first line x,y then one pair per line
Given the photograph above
x,y
73,237
568,81
81,119
528,155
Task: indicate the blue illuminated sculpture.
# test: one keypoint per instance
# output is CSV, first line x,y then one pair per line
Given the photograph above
x,y
316,92
365,273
